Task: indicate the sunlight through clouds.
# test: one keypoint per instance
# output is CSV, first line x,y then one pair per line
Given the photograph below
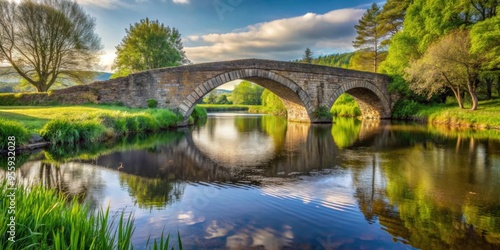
x,y
279,39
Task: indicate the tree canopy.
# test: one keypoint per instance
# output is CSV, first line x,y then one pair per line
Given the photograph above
x,y
48,40
369,38
149,45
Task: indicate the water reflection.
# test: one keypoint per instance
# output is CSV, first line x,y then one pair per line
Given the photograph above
x,y
243,181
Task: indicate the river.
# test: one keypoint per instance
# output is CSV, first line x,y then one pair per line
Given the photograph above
x,y
252,181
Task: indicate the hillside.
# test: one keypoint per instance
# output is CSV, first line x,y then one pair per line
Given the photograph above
x,y
12,83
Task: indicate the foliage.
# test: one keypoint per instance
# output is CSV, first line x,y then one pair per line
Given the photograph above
x,y
335,60
149,45
224,107
369,36
308,56
247,93
48,40
10,128
484,39
391,18
322,113
345,106
272,104
152,103
447,63
199,113
405,109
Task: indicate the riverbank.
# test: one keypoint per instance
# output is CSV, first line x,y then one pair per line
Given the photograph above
x,y
485,117
91,123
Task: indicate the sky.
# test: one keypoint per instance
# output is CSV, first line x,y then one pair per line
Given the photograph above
x,y
217,30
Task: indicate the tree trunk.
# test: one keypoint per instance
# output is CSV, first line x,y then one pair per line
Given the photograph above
x,y
498,85
489,88
472,92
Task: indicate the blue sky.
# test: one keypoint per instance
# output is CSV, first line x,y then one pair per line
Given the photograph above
x,y
215,30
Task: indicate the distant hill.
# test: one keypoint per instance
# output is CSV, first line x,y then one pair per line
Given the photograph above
x,y
340,60
10,84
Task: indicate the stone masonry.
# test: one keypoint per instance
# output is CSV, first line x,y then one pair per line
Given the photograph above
x,y
303,88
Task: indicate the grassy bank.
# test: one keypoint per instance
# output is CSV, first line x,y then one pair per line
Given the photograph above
x,y
224,107
70,124
450,114
46,219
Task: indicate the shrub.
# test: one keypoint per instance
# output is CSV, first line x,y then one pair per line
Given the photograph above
x,y
199,113
12,128
405,109
66,131
322,113
152,103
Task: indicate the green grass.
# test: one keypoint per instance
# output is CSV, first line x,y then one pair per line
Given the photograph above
x,y
14,129
486,116
46,219
70,124
225,107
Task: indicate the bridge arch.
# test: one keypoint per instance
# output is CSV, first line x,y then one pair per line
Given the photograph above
x,y
371,100
296,100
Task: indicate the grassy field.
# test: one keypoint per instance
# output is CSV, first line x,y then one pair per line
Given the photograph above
x,y
69,124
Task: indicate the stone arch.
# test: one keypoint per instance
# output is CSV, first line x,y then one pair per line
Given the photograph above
x,y
296,100
371,100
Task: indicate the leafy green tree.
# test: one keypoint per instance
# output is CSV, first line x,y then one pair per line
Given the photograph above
x,y
48,40
149,45
308,56
272,103
335,60
247,93
369,36
222,99
391,18
448,63
210,99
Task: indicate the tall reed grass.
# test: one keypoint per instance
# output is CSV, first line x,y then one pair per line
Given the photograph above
x,y
46,219
10,128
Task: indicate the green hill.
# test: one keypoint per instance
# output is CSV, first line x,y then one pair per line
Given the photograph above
x,y
12,83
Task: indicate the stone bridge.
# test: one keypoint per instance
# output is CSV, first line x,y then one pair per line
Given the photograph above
x,y
305,89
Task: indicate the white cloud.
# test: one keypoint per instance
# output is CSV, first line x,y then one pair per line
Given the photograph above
x,y
281,39
181,1
108,4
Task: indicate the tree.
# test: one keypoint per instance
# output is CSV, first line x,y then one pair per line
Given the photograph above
x,y
48,40
308,56
247,93
222,99
391,18
369,36
448,63
149,45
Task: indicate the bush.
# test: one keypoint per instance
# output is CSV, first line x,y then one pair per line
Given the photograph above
x,y
12,128
405,109
345,106
68,131
152,103
199,113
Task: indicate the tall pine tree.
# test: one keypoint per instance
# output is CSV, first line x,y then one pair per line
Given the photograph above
x,y
369,38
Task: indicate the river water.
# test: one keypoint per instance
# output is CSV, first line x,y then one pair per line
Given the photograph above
x,y
252,181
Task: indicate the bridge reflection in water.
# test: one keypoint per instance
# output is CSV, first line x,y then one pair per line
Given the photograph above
x,y
425,188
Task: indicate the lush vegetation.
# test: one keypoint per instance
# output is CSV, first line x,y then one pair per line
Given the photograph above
x,y
345,106
46,219
223,107
449,114
13,128
71,124
148,45
59,43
